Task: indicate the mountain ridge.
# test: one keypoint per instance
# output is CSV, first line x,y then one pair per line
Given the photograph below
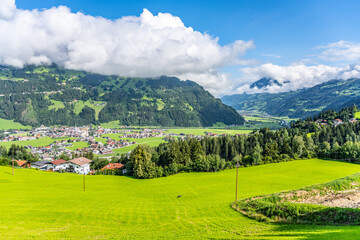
x,y
52,95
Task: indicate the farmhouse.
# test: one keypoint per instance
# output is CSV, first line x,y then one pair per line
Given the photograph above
x,y
79,165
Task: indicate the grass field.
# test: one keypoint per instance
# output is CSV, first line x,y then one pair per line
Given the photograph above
x,y
10,124
36,143
77,145
112,124
42,205
201,131
357,115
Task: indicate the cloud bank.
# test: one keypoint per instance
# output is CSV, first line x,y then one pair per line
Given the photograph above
x,y
296,76
144,46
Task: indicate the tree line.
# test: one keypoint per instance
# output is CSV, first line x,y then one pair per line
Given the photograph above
x,y
305,139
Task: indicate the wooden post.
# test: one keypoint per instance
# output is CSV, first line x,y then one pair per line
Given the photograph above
x,y
237,177
84,181
13,166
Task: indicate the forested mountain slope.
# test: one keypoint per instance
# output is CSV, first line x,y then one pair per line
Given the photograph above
x,y
334,94
53,95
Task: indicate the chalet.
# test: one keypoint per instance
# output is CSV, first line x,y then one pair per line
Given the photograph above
x,y
22,163
79,165
57,165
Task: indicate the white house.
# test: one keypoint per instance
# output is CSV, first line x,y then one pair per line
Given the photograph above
x,y
57,165
80,165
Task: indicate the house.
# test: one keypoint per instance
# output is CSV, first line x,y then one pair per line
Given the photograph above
x,y
106,151
57,165
352,120
337,122
79,165
40,165
113,166
22,163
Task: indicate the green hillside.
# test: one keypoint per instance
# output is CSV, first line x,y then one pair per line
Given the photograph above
x,y
42,205
55,96
10,124
334,94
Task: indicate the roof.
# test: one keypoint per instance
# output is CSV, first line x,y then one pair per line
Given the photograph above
x,y
21,162
80,161
58,162
112,166
39,163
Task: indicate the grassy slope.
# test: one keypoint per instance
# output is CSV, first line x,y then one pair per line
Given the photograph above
x,y
44,205
10,124
56,105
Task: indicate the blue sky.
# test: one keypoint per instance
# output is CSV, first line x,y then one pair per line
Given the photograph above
x,y
298,42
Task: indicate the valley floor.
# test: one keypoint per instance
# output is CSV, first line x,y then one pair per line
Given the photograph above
x,y
42,205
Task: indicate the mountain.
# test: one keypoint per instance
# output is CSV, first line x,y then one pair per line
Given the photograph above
x,y
334,94
56,96
265,82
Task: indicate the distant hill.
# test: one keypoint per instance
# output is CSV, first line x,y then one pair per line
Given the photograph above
x,y
265,82
52,95
334,94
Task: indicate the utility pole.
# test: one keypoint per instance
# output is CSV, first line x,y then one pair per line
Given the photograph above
x,y
84,181
237,177
13,165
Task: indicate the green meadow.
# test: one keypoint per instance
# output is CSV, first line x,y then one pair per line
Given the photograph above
x,y
201,131
40,142
43,205
357,115
10,124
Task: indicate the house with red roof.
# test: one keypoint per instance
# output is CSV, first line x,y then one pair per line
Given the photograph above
x,y
57,165
22,163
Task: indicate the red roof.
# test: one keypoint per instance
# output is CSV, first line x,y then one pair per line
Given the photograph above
x,y
112,166
58,162
20,163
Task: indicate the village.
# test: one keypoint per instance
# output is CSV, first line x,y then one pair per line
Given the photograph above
x,y
97,140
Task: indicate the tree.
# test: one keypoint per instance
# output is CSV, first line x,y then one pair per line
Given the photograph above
x,y
256,155
142,166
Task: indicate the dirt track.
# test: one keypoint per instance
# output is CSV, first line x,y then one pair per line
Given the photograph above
x,y
344,199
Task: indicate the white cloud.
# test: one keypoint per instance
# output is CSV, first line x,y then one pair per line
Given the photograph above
x,y
295,76
217,83
340,51
7,8
144,46
271,55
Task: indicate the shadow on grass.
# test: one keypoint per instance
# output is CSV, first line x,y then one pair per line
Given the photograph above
x,y
339,160
312,232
